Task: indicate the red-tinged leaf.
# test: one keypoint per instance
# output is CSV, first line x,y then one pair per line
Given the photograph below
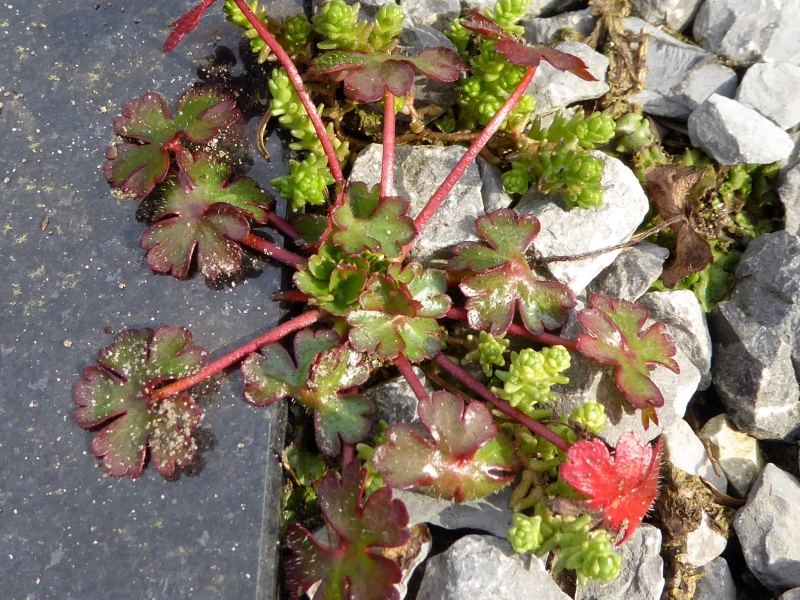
x,y
441,64
151,134
324,369
368,75
616,337
365,221
347,568
531,56
484,26
185,24
624,487
203,212
504,280
465,458
116,395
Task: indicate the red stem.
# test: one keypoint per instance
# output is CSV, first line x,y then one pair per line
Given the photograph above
x,y
276,252
450,181
468,380
407,371
542,338
300,322
299,86
283,226
387,161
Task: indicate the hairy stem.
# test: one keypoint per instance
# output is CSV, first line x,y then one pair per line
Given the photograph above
x,y
450,181
407,371
300,322
387,160
284,227
269,249
481,390
299,86
542,338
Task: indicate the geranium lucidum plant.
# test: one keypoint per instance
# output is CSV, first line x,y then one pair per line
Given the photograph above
x,y
379,309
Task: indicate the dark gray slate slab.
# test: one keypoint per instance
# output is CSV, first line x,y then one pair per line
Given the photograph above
x,y
71,268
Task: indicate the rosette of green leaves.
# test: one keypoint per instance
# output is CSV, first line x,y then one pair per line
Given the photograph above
x,y
293,33
530,376
338,22
560,161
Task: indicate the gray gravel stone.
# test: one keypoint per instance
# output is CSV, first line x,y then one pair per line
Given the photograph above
x,y
554,89
536,8
577,231
395,402
492,188
717,582
680,77
544,30
753,374
675,14
772,89
749,31
737,454
684,450
485,568
490,514
766,529
686,322
642,575
789,194
733,133
418,173
704,544
632,272
791,594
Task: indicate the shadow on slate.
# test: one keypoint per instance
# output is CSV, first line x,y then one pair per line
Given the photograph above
x,y
72,275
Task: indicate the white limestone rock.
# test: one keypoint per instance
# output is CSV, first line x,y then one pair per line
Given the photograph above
x,y
680,77
675,14
570,232
773,90
704,544
716,583
737,454
684,450
554,89
733,133
632,272
544,30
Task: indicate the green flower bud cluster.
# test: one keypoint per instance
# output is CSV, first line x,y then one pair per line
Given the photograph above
x,y
339,23
591,416
293,34
307,179
490,352
507,13
561,162
531,375
459,36
587,552
633,133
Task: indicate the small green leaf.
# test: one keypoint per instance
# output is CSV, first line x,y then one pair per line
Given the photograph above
x,y
367,222
310,227
203,211
333,280
398,313
142,161
116,395
504,280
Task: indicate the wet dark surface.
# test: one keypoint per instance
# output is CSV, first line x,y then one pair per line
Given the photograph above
x,y
72,276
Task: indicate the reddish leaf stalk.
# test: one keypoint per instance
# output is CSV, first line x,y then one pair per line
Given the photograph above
x,y
269,249
387,160
299,86
284,227
407,371
450,181
348,453
518,330
520,417
300,322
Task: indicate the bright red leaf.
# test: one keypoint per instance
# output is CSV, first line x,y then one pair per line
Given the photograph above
x,y
623,488
346,568
185,24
